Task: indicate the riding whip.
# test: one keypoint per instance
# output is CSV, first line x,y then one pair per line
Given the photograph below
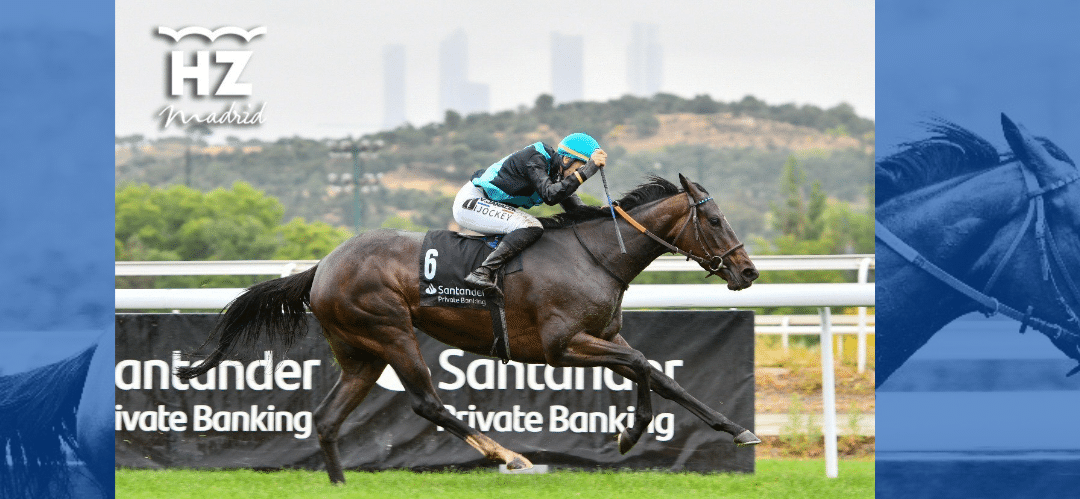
x,y
612,206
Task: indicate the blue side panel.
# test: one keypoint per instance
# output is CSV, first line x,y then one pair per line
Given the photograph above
x,y
539,146
493,192
484,182
56,197
979,411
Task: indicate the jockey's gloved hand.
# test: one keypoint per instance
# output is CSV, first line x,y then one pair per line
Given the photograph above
x,y
588,170
599,157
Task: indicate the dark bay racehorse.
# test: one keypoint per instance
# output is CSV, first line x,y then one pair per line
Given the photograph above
x,y
1003,230
58,406
564,310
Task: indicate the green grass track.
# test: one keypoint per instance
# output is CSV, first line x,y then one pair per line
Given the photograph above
x,y
777,479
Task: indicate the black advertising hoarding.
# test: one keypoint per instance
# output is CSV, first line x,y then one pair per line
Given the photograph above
x,y
257,412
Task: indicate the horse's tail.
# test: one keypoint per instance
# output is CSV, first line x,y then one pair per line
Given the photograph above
x,y
37,423
273,310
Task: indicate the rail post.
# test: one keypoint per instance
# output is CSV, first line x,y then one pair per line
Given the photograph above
x,y
864,271
828,393
784,322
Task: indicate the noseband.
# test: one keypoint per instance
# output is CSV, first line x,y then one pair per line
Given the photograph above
x,y
1050,259
711,263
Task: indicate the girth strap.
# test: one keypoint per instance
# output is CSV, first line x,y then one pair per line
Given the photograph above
x,y
500,347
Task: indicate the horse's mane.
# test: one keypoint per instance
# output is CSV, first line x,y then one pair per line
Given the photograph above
x,y
37,420
655,188
949,152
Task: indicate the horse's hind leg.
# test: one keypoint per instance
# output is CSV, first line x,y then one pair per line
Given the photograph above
x,y
358,375
413,372
671,390
583,350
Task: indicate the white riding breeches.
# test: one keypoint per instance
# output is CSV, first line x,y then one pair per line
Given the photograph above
x,y
474,211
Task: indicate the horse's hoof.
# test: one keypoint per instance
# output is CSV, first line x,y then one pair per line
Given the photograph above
x,y
336,478
625,442
519,463
746,438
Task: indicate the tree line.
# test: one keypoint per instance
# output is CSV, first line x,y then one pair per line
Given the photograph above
x,y
179,223
297,171
244,223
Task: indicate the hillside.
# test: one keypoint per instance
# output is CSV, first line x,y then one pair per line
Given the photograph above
x,y
736,150
727,131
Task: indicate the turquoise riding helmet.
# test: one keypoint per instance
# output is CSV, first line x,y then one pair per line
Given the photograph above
x,y
578,146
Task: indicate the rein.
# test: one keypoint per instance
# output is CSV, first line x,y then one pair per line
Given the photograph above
x,y
1047,248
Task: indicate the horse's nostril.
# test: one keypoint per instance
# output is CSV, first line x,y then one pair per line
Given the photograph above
x,y
750,274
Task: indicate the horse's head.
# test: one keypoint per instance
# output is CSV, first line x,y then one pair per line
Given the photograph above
x,y
1042,274
710,236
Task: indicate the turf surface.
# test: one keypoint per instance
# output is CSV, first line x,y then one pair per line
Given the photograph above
x,y
773,479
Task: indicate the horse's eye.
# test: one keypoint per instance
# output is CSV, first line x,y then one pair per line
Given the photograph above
x,y
714,220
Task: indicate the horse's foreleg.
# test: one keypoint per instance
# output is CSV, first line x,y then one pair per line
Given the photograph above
x,y
583,350
352,386
413,372
671,390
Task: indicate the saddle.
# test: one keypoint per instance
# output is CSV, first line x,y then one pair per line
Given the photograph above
x,y
446,257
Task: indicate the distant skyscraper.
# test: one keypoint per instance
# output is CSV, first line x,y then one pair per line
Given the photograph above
x,y
455,90
393,85
645,62
453,70
567,67
475,98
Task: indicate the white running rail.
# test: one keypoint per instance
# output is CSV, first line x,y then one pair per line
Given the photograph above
x,y
662,264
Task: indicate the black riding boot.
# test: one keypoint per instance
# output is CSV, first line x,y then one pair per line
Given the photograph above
x,y
511,245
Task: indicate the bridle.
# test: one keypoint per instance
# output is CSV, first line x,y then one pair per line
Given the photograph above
x,y
1050,258
711,263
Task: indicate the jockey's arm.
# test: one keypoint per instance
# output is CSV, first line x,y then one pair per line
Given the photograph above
x,y
555,192
571,203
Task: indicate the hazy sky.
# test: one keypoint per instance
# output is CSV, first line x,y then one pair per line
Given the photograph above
x,y
319,66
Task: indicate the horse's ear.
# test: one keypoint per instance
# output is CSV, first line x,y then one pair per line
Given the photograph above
x,y
1031,151
685,183
690,187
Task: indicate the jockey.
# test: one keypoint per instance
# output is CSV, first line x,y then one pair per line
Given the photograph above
x,y
492,202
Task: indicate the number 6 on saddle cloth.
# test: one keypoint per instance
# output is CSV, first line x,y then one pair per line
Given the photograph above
x,y
446,257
